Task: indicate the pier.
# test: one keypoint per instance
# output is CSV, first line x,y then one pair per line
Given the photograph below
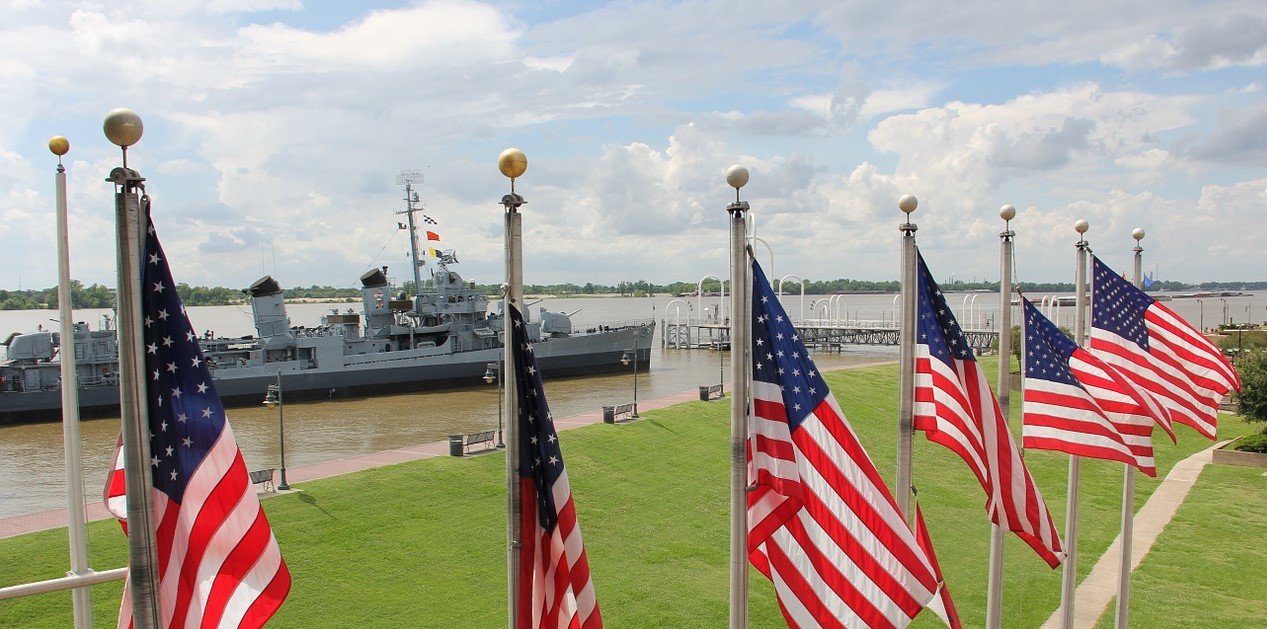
x,y
817,334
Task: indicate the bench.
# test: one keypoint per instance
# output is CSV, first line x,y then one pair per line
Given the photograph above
x,y
619,412
263,477
470,440
711,392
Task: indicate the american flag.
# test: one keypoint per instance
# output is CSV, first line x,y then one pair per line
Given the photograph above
x,y
218,562
822,525
1159,351
555,587
942,606
956,408
1077,404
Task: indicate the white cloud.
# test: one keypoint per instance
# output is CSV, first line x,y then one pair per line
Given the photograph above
x,y
436,33
1237,40
286,129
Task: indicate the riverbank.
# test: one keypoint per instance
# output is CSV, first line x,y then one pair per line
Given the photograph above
x,y
421,543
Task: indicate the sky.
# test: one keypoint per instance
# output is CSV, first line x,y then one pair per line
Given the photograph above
x,y
275,132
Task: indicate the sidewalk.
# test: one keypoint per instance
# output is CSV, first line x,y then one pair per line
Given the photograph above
x,y
54,518
1099,587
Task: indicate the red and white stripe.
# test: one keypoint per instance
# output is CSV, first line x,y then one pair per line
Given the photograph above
x,y
823,526
556,590
218,562
956,408
1107,418
1182,370
943,606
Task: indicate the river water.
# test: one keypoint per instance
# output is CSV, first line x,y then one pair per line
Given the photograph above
x,y
32,465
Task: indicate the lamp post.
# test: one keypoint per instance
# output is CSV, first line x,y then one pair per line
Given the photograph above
x,y
624,360
1201,304
271,399
493,372
1224,310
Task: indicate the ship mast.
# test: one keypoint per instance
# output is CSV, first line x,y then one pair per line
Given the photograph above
x,y
409,178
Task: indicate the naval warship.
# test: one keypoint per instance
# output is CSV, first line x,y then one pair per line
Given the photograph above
x,y
444,336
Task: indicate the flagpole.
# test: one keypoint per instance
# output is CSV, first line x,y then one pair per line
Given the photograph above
x,y
512,163
80,599
740,310
1069,577
1128,484
994,593
906,382
124,128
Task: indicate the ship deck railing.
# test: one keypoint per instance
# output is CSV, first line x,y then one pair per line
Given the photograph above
x,y
592,328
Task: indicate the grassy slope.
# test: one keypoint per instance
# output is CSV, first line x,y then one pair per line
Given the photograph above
x,y
422,544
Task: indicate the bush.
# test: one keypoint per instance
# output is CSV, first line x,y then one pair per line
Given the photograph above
x,y
1252,443
1247,340
1252,398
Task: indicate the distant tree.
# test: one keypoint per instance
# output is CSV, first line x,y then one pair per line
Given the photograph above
x,y
1252,398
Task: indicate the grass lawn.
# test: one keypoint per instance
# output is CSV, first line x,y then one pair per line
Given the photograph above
x,y
422,544
1206,569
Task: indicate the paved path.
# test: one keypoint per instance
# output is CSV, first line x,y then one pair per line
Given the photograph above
x,y
1099,588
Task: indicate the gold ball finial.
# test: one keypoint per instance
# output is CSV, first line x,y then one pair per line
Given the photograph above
x,y
512,162
59,145
123,127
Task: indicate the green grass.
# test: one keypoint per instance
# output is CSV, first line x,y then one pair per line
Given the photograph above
x,y
1206,569
422,544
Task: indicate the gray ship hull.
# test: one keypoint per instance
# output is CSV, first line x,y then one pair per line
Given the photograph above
x,y
557,357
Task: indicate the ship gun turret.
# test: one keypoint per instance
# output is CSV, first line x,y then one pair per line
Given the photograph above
x,y
33,347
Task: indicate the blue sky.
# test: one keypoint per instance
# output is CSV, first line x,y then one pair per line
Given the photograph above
x,y
274,130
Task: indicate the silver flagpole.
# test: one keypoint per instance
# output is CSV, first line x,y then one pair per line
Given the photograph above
x,y
906,383
740,311
1069,578
123,127
512,163
81,601
1128,484
994,593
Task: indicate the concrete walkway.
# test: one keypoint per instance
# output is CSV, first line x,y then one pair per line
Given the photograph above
x,y
55,518
1099,588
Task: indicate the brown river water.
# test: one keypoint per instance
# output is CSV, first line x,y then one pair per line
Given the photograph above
x,y
32,463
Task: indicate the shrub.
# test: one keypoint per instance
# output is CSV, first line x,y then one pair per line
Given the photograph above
x,y
1252,398
1252,443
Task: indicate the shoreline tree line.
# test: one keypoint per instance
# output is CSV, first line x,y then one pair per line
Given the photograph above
x,y
100,296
